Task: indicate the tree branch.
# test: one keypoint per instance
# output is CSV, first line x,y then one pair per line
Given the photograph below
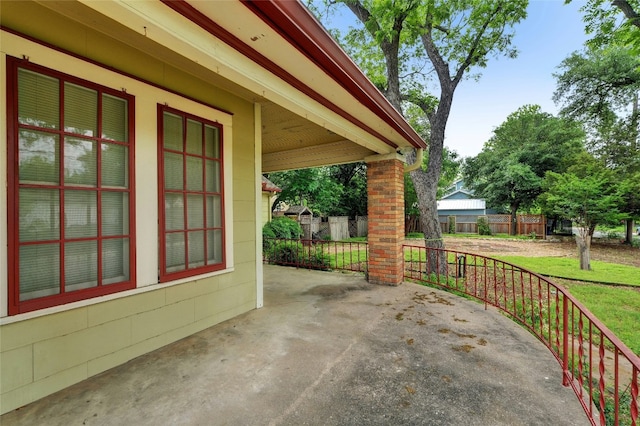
x,y
627,9
476,44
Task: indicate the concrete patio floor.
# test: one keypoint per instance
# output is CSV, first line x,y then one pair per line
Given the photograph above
x,y
331,349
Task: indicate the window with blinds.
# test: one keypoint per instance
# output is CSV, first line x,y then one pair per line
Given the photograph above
x,y
71,145
191,194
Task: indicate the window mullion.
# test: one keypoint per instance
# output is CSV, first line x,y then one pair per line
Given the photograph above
x,y
99,191
204,194
185,193
61,189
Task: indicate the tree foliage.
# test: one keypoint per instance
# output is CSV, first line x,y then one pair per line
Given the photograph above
x,y
510,169
600,88
587,195
612,22
401,45
339,190
307,187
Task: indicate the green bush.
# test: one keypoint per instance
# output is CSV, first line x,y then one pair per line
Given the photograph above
x,y
451,224
483,226
282,227
295,254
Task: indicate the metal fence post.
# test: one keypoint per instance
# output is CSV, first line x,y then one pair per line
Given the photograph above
x,y
565,341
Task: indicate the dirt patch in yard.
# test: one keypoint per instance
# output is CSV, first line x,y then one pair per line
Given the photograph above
x,y
613,252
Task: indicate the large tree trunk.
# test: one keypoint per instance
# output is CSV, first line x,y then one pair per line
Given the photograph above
x,y
513,219
426,186
584,251
583,241
427,203
628,239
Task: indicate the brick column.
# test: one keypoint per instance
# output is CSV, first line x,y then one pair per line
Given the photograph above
x,y
385,190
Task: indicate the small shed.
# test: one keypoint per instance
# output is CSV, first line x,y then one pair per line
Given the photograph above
x,y
298,213
305,218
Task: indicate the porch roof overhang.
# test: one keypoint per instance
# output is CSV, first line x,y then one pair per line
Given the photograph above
x,y
316,106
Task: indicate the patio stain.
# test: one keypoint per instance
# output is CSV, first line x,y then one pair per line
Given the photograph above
x,y
463,348
447,331
335,291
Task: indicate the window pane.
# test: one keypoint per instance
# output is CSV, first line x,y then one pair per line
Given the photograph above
x,y
115,213
80,265
115,166
175,252
172,131
195,211
39,271
173,212
115,260
196,248
38,100
213,176
214,211
80,162
214,247
115,123
194,174
39,214
194,137
80,214
173,171
38,158
80,110
212,141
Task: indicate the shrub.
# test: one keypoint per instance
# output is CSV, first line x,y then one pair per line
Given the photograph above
x,y
282,227
614,235
451,224
483,226
294,253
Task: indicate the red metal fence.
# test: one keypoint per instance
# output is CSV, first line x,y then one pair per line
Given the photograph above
x,y
601,370
321,255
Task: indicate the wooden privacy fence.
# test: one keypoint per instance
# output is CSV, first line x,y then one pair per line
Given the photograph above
x,y
526,224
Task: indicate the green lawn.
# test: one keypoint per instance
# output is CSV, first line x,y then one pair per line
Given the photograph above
x,y
601,272
617,308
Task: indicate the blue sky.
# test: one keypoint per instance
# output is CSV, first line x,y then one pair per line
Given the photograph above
x,y
551,31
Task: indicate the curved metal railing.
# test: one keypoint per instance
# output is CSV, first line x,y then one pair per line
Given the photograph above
x,y
601,370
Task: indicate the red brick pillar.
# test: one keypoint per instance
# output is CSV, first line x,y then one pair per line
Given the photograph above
x,y
385,189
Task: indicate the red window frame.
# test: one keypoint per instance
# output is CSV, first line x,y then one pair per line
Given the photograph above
x,y
188,271
15,306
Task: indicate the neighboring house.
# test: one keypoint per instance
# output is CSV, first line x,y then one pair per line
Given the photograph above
x,y
458,201
462,207
269,191
136,134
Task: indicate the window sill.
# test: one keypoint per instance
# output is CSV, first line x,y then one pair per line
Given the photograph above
x,y
99,299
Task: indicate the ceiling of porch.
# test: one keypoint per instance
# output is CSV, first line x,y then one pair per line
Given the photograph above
x,y
292,142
